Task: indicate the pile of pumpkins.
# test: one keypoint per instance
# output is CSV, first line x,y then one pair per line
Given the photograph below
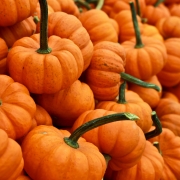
x,y
90,89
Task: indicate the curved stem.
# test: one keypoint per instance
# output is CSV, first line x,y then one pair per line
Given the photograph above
x,y
44,49
72,140
100,4
139,82
82,3
158,127
139,43
122,90
158,2
156,144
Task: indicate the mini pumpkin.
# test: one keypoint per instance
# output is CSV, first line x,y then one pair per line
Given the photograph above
x,y
11,160
3,55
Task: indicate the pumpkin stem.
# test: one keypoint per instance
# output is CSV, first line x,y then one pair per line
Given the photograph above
x,y
158,2
156,144
138,8
100,4
139,43
107,158
81,3
139,82
158,127
44,49
36,19
122,89
72,140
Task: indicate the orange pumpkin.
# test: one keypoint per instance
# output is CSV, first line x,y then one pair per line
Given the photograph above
x,y
170,74
3,55
11,160
175,90
174,9
149,167
23,176
44,69
98,26
16,11
46,147
17,108
112,138
68,104
167,94
169,147
150,96
21,29
136,106
145,56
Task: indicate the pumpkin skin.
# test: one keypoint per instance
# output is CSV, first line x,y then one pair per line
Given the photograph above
x,y
170,95
170,74
112,138
9,11
135,106
153,14
169,114
97,24
68,104
11,160
126,30
150,96
170,148
72,30
153,54
44,148
23,176
103,73
3,55
175,90
17,108
21,29
169,27
67,6
45,73
174,9
149,167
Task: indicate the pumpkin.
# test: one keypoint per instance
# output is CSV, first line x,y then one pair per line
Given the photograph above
x,y
45,69
16,11
73,30
169,147
11,160
170,74
23,176
68,104
174,9
169,27
67,6
175,90
126,30
98,25
46,147
136,106
169,114
21,29
167,94
152,31
149,95
149,167
143,50
17,108
3,55
112,138
169,2
155,12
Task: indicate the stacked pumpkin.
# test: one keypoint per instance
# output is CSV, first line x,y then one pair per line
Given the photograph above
x,y
89,90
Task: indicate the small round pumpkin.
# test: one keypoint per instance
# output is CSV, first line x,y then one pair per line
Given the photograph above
x,y
17,108
11,160
15,11
3,55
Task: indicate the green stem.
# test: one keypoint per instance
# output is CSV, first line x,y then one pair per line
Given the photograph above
x,y
138,8
156,144
107,158
81,3
44,49
139,82
158,127
100,4
122,89
72,140
36,19
158,2
139,43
